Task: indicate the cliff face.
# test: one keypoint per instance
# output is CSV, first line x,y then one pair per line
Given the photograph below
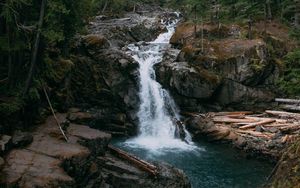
x,y
100,76
224,68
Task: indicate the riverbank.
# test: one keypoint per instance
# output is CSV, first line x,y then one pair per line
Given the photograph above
x,y
47,160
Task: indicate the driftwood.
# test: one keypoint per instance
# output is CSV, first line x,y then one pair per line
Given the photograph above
x,y
278,125
237,116
290,107
289,128
291,101
233,113
284,114
133,159
57,122
256,134
226,119
284,139
252,125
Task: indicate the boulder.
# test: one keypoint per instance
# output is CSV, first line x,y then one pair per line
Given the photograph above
x,y
94,43
80,117
21,139
95,140
188,80
232,92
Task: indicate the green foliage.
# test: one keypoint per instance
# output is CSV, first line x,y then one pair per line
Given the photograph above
x,y
11,107
295,33
289,82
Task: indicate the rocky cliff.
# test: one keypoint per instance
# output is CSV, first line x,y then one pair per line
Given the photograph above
x,y
218,65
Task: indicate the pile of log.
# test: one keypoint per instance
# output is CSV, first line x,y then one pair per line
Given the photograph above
x,y
289,104
264,125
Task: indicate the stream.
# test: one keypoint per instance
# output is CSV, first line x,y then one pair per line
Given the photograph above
x,y
206,164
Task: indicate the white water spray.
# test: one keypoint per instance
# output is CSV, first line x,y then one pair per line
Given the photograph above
x,y
157,108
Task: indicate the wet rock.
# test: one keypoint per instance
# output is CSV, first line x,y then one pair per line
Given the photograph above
x,y
21,139
95,140
240,142
132,28
119,173
5,143
80,117
258,129
187,80
2,162
29,169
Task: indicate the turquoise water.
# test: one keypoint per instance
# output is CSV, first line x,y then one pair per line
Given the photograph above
x,y
211,165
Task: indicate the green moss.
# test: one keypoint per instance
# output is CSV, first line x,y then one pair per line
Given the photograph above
x,y
11,107
290,79
57,69
257,64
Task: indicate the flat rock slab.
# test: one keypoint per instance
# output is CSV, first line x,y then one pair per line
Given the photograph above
x,y
86,132
40,163
54,147
28,169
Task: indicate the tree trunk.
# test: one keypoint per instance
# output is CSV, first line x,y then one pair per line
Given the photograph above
x,y
297,14
9,60
134,7
297,20
269,10
105,6
35,48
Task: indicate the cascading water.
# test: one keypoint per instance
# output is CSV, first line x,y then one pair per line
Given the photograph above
x,y
157,112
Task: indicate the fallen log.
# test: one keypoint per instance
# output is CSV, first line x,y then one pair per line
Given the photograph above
x,y
226,119
256,134
291,101
284,114
237,116
289,128
133,159
53,113
284,139
265,118
289,107
233,113
252,125
278,125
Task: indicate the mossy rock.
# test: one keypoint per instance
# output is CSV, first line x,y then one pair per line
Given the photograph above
x,y
95,42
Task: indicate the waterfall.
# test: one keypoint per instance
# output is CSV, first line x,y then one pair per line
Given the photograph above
x,y
157,112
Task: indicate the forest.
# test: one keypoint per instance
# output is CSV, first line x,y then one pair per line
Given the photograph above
x,y
52,49
36,34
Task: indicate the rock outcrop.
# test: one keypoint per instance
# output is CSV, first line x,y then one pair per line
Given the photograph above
x,y
101,77
83,161
224,68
